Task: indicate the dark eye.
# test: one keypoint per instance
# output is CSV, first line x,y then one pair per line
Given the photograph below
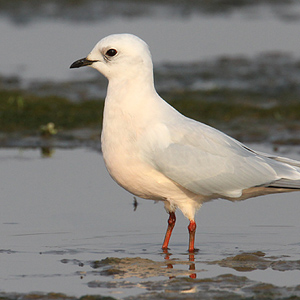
x,y
111,52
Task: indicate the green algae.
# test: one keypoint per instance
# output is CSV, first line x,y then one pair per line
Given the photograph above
x,y
227,105
21,111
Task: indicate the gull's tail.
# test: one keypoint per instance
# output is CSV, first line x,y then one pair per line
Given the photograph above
x,y
281,185
285,183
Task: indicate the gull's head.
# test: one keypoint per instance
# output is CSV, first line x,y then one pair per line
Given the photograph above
x,y
119,56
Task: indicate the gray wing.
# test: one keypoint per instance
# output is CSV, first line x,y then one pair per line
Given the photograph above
x,y
206,161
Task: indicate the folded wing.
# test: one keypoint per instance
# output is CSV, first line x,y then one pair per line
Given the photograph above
x,y
207,162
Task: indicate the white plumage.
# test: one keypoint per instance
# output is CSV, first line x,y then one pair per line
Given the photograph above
x,y
155,152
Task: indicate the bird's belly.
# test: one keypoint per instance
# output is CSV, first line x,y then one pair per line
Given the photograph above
x,y
136,176
123,159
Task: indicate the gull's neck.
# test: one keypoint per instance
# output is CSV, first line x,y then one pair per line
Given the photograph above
x,y
132,90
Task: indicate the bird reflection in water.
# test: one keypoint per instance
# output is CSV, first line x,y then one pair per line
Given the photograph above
x,y
192,266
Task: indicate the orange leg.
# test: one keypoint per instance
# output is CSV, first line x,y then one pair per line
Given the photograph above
x,y
171,224
192,230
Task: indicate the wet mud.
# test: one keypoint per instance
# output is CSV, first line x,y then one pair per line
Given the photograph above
x,y
184,282
185,285
246,262
179,284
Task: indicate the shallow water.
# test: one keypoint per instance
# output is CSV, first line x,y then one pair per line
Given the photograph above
x,y
62,216
44,50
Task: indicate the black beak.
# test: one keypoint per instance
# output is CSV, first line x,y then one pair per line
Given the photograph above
x,y
81,63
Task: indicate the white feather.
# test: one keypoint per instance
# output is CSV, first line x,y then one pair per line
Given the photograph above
x,y
154,152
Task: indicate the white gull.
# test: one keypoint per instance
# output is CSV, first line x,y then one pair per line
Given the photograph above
x,y
154,152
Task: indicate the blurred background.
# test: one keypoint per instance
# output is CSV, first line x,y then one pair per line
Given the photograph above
x,y
232,64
